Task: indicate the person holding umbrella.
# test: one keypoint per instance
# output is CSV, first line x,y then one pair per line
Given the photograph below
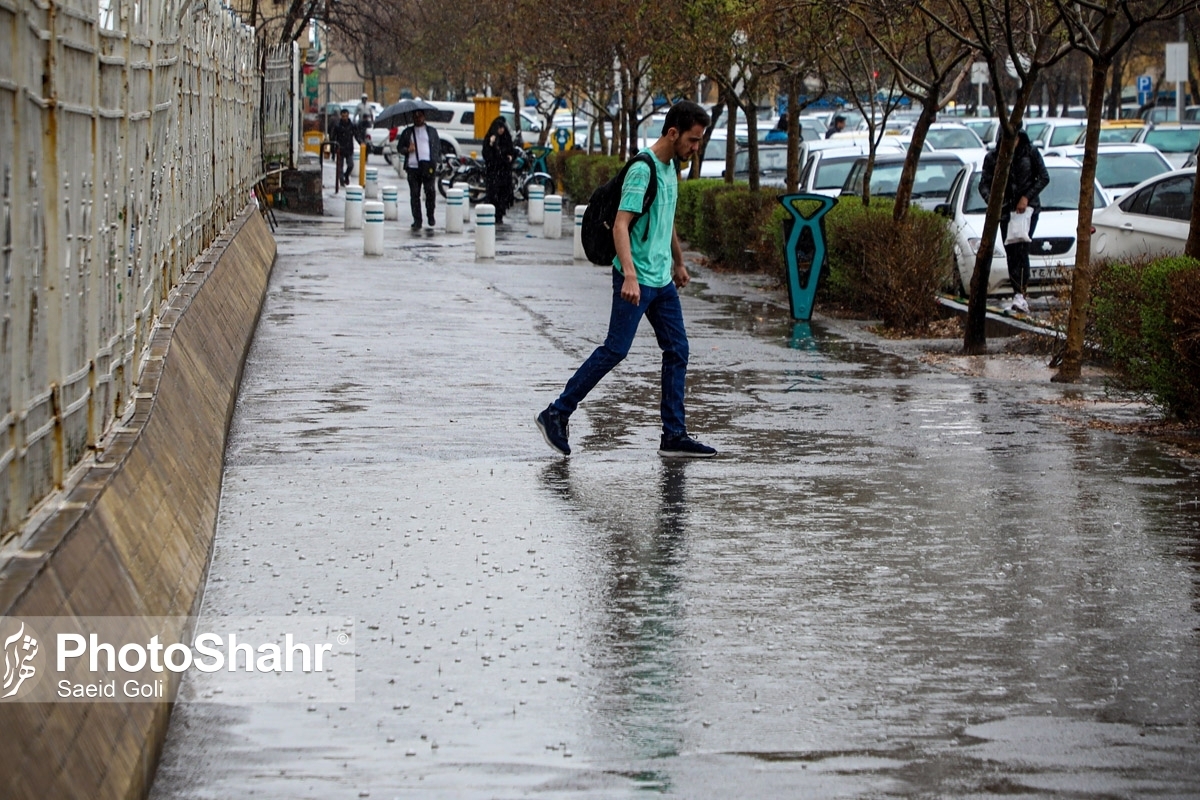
x,y
419,146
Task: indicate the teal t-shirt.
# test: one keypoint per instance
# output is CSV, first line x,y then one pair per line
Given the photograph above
x,y
651,258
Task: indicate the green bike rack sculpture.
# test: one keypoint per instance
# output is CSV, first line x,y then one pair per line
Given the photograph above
x,y
805,248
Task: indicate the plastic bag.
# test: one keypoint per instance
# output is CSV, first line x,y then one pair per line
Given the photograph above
x,y
1018,226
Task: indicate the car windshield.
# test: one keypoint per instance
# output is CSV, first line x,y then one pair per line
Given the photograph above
x,y
1035,129
1061,194
772,158
1065,134
715,151
1122,170
831,173
1111,135
981,127
953,139
1180,140
933,178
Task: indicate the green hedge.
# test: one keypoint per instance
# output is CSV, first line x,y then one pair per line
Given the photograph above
x,y
583,173
1147,318
687,211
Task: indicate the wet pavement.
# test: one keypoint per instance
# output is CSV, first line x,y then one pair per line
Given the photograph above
x,y
897,579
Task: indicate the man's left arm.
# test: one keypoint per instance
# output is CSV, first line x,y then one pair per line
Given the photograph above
x,y
679,273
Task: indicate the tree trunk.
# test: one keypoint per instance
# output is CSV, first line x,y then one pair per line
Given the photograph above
x,y
1081,276
908,174
752,140
1114,91
730,134
975,336
793,133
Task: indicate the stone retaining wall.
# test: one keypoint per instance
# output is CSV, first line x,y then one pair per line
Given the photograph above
x,y
134,535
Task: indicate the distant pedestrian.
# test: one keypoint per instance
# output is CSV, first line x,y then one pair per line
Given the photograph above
x,y
1027,177
363,115
498,158
646,275
839,125
345,135
424,149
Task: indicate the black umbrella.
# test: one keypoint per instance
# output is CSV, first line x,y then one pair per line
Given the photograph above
x,y
401,113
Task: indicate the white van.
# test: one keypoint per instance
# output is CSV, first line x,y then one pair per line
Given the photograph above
x,y
458,120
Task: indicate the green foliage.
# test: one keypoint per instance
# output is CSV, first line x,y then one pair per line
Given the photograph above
x,y
582,174
738,222
1147,318
884,268
687,209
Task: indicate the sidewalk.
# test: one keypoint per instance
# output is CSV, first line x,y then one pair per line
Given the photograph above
x,y
895,580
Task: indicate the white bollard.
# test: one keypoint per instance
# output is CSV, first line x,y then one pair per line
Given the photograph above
x,y
536,207
391,202
579,254
454,210
552,227
372,187
485,230
373,228
354,207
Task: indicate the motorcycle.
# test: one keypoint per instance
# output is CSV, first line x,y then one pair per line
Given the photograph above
x,y
463,172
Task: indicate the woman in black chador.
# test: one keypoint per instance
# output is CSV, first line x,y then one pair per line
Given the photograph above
x,y
497,157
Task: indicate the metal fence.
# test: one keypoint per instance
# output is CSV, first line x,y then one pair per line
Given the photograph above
x,y
129,138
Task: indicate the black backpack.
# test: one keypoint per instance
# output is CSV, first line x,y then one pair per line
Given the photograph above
x,y
601,214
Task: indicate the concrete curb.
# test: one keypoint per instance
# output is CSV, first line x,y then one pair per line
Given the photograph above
x,y
133,536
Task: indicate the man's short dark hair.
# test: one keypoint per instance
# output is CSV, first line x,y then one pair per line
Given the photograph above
x,y
685,115
839,118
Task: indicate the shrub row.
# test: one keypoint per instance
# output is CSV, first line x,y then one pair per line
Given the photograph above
x,y
875,266
1146,315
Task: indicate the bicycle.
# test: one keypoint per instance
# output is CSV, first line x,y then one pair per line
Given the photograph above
x,y
530,166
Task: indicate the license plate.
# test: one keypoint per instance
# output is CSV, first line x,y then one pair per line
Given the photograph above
x,y
1048,273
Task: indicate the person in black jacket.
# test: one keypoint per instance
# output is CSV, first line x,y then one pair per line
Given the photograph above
x,y
1027,177
497,158
345,135
421,149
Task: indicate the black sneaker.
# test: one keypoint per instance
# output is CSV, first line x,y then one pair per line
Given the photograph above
x,y
416,226
684,446
555,430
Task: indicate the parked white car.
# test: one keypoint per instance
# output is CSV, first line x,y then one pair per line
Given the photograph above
x,y
1152,219
826,163
953,137
986,128
1047,132
1119,167
1052,253
1175,140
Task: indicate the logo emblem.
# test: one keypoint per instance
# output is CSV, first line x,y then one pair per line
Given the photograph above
x,y
1046,246
21,648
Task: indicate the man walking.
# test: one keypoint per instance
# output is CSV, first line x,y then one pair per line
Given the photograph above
x,y
345,136
646,275
424,148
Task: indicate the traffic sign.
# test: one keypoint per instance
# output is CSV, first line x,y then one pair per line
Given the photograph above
x,y
1145,84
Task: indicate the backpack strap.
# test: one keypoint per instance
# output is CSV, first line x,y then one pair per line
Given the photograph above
x,y
651,189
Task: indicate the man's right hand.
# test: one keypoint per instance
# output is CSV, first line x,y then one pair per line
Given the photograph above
x,y
630,291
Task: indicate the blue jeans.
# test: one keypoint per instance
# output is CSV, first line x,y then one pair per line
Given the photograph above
x,y
660,306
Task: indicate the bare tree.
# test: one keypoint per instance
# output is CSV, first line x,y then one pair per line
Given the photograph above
x,y
931,64
1098,29
1018,36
